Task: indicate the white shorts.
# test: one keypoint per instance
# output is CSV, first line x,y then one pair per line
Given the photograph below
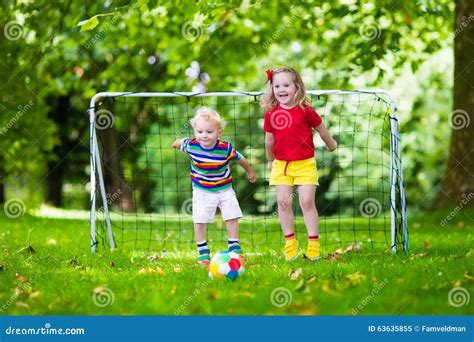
x,y
205,204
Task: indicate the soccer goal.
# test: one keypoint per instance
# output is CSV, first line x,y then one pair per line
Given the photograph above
x,y
140,189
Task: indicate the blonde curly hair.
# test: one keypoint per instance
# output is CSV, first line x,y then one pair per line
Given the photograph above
x,y
208,114
269,100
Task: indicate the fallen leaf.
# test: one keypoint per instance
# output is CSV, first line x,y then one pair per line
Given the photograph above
x,y
460,224
100,289
173,290
35,295
300,285
327,289
20,292
177,269
22,305
356,278
295,274
427,244
28,249
150,270
457,283
468,276
52,242
417,256
333,257
154,257
21,278
73,261
214,294
353,247
312,279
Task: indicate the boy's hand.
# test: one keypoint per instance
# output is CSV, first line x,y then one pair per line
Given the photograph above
x,y
269,165
332,147
177,144
252,176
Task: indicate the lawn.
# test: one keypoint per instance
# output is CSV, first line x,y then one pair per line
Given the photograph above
x,y
46,268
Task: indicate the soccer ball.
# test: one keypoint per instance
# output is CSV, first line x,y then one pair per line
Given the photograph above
x,y
226,265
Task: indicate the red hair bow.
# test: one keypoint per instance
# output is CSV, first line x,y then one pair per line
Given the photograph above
x,y
269,74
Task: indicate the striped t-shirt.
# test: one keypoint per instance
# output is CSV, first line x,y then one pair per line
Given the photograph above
x,y
210,167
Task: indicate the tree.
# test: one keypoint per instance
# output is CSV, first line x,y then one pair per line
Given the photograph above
x,y
458,180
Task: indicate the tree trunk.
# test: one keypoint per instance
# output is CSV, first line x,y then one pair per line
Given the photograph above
x,y
55,177
457,185
117,189
2,181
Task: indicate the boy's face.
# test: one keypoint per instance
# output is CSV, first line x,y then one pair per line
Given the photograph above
x,y
207,132
284,89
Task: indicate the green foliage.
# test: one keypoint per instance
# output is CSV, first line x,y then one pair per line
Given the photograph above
x,y
147,46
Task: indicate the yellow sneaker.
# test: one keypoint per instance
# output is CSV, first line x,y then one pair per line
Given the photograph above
x,y
312,253
291,249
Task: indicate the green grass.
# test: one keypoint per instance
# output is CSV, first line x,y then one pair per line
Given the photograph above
x,y
61,276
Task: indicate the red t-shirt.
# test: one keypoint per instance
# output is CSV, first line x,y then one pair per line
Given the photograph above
x,y
293,131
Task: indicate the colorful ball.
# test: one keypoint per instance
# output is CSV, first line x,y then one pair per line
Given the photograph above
x,y
226,265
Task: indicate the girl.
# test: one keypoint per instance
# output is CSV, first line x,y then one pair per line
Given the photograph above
x,y
211,178
288,125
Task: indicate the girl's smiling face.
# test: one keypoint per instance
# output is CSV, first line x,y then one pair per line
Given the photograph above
x,y
284,89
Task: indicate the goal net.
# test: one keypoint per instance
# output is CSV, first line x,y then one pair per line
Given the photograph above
x,y
141,192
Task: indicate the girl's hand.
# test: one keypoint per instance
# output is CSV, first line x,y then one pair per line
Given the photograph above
x,y
332,146
269,165
252,176
177,144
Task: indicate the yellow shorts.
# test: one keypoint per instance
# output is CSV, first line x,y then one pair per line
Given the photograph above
x,y
298,172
